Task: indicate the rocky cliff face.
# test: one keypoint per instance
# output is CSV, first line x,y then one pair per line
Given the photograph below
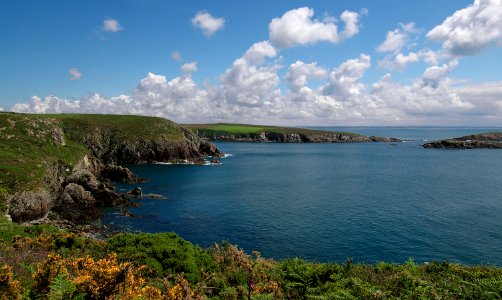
x,y
275,137
488,140
75,193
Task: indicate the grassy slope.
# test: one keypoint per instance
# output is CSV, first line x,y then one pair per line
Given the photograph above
x,y
226,128
26,148
124,126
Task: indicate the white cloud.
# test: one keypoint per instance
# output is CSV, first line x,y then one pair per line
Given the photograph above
x,y
257,53
394,43
345,80
250,90
1,108
296,27
75,74
111,25
351,20
176,55
299,73
189,68
207,23
472,29
433,75
399,61
251,93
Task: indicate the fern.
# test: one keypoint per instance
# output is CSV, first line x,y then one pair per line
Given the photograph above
x,y
263,297
486,288
61,288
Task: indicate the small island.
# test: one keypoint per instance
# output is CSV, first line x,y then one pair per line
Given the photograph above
x,y
225,132
487,140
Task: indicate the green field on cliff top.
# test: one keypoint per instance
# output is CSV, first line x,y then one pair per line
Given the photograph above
x,y
241,129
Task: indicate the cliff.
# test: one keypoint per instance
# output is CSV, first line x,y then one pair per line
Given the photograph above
x,y
487,140
62,166
274,134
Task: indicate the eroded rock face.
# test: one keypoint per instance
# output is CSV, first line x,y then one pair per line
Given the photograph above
x,y
458,144
76,194
76,204
112,151
275,137
29,205
487,140
120,174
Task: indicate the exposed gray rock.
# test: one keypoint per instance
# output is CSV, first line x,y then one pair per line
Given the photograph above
x,y
120,174
29,205
487,140
76,204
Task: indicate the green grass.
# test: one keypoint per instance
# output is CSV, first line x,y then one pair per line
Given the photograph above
x,y
27,149
237,128
124,126
9,230
246,129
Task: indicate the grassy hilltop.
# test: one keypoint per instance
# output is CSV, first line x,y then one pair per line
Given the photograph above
x,y
30,143
44,262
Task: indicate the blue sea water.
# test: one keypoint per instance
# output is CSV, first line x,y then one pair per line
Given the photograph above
x,y
329,202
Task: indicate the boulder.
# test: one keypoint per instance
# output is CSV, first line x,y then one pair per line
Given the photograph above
x,y
76,204
120,174
29,205
136,192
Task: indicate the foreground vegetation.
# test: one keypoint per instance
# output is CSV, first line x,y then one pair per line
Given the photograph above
x,y
42,263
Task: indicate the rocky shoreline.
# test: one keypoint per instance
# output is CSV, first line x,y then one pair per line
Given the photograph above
x,y
276,137
71,196
488,140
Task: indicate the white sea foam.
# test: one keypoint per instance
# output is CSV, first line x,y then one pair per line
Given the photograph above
x,y
228,155
183,162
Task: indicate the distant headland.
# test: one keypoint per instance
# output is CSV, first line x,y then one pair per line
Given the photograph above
x,y
274,134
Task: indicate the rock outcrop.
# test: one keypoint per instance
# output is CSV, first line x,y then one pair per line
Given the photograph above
x,y
314,137
75,192
488,140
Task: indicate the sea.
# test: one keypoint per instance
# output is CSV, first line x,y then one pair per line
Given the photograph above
x,y
368,202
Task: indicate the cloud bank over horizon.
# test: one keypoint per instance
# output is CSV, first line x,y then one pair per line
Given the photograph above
x,y
258,88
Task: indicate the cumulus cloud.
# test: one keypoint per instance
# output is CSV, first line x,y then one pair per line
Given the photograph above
x,y
299,73
176,55
189,68
433,75
74,73
1,108
296,27
471,29
394,43
207,23
397,39
345,80
111,25
252,93
258,52
250,89
400,61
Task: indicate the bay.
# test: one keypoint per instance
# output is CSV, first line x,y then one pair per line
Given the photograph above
x,y
329,202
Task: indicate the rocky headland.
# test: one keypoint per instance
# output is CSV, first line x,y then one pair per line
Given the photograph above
x,y
487,140
61,168
274,134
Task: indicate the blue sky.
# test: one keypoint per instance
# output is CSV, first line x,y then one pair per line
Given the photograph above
x,y
307,62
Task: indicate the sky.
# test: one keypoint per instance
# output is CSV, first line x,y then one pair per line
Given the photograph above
x,y
310,63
